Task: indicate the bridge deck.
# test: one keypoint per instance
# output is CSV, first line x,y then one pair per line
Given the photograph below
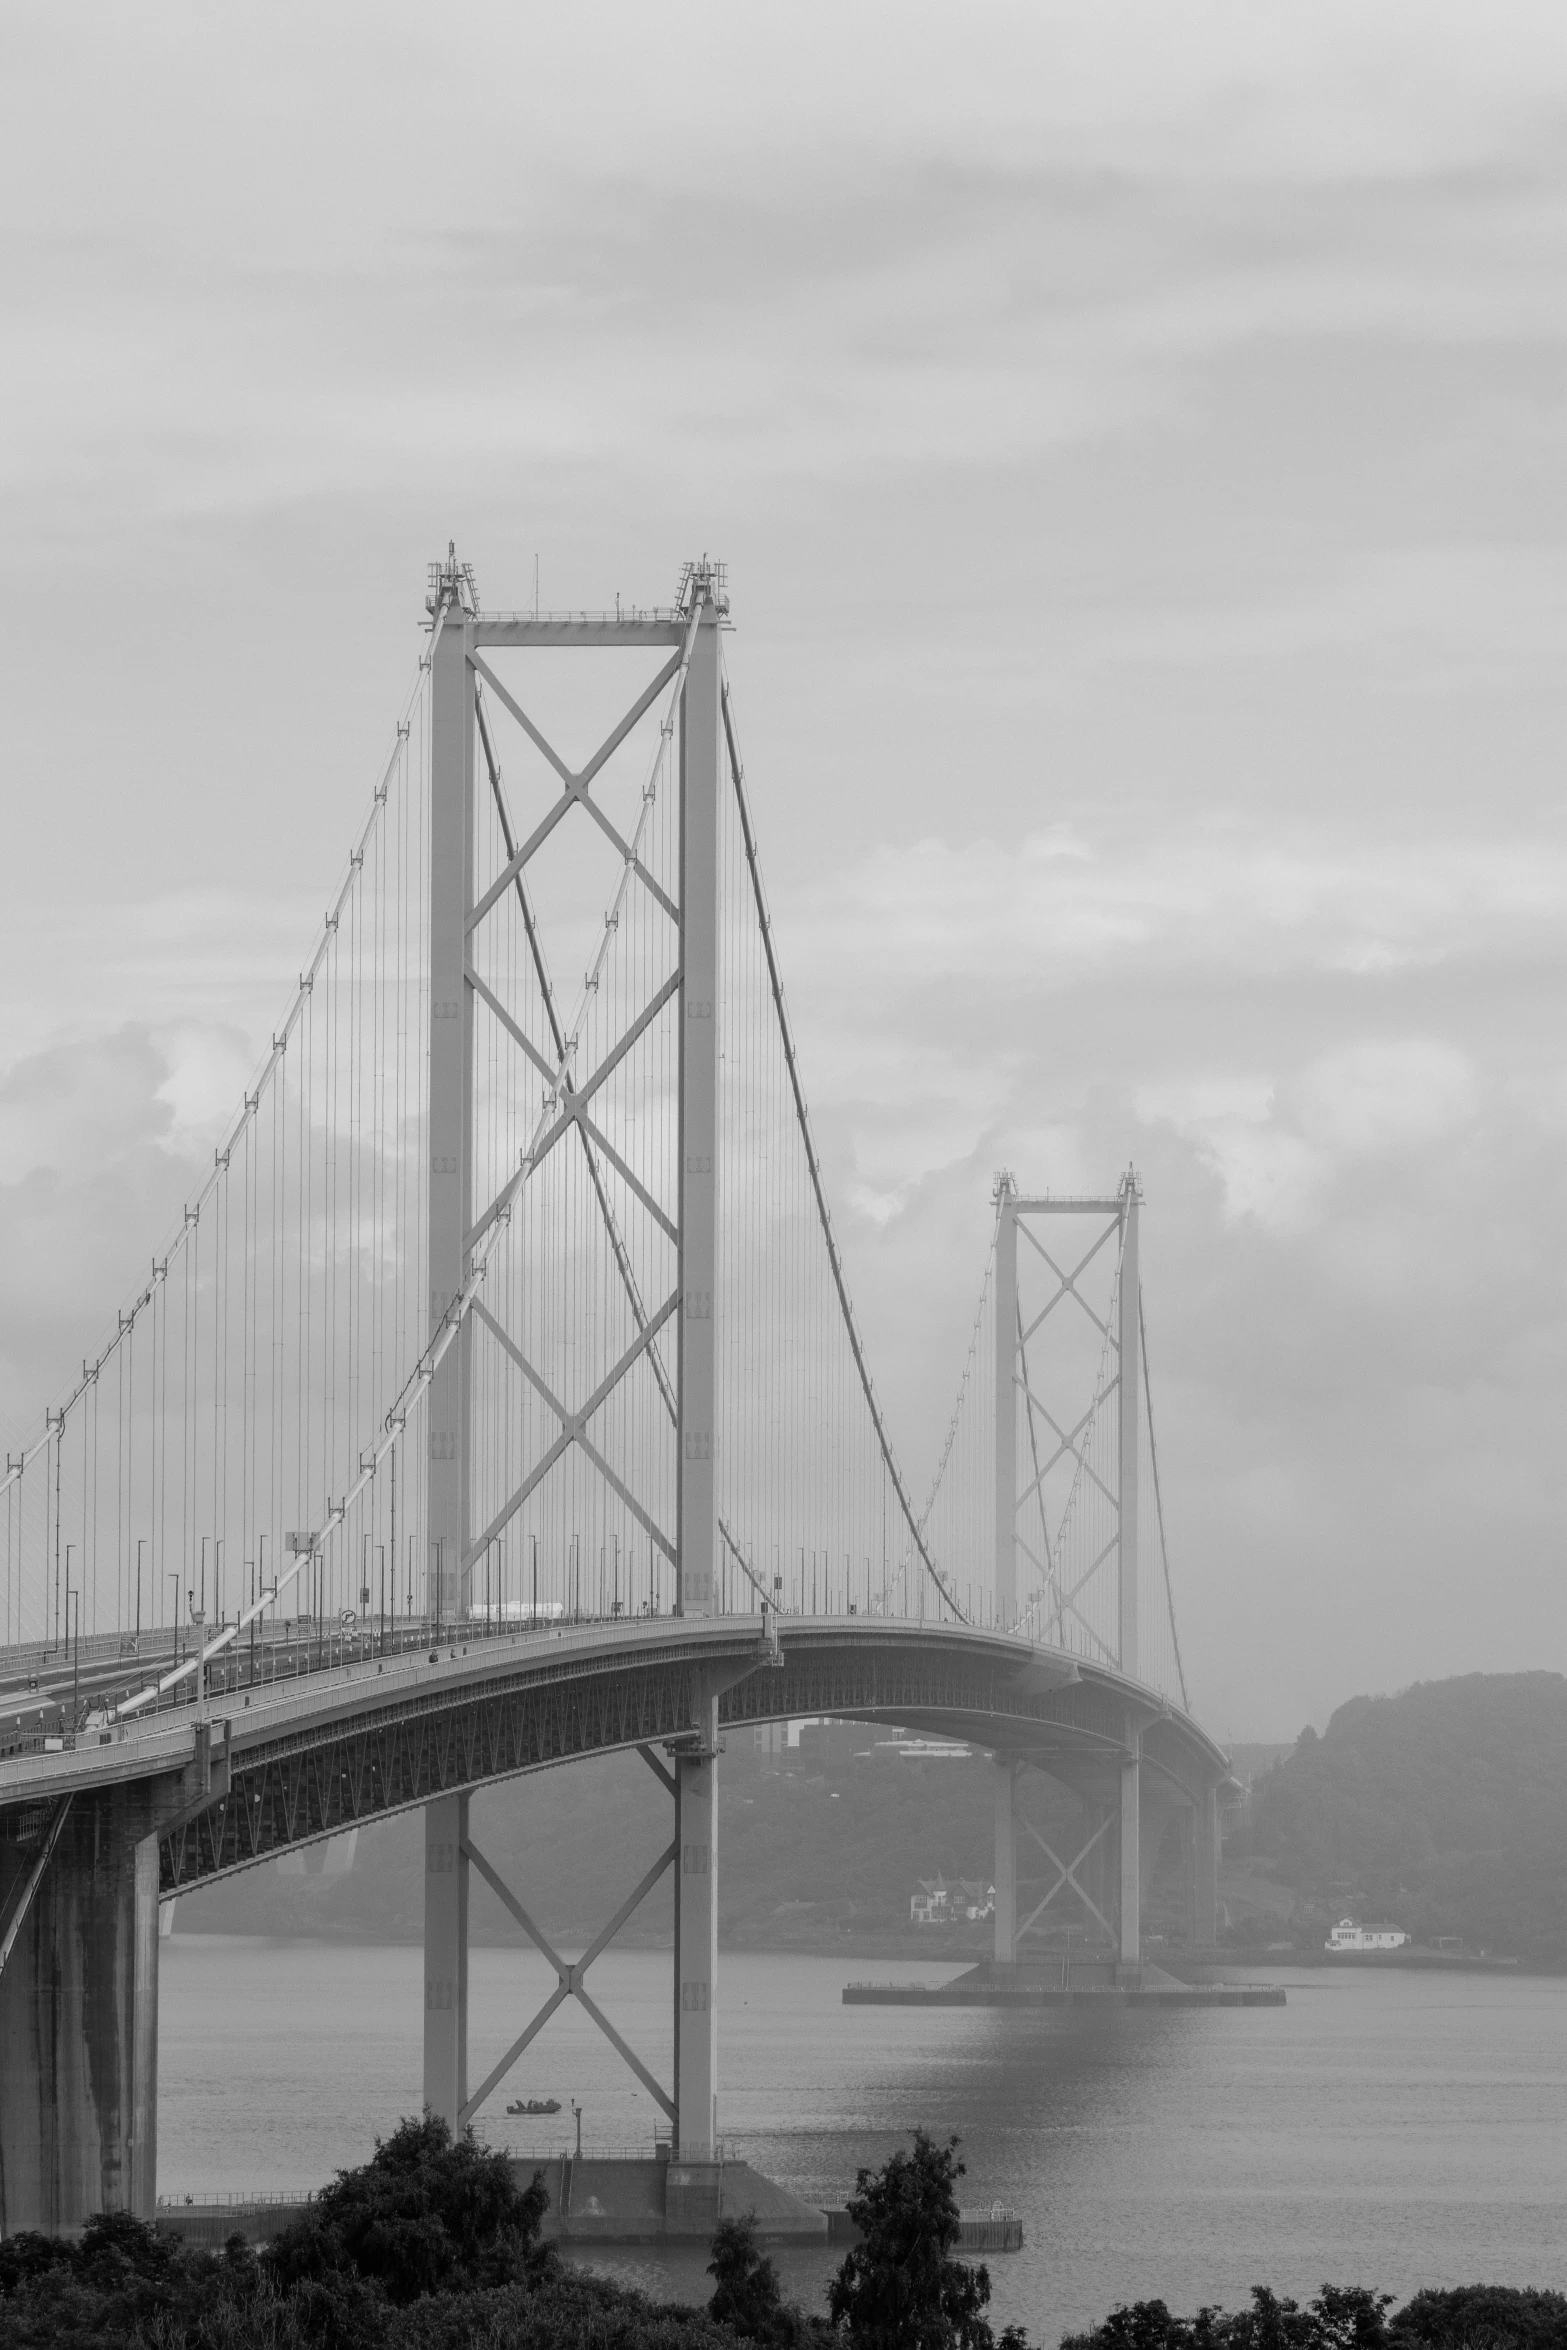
x,y
339,1743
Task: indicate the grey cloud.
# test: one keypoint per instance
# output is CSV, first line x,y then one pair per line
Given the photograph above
x,y
1134,433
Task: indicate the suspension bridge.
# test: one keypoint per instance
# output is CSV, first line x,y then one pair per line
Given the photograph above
x,y
498,1399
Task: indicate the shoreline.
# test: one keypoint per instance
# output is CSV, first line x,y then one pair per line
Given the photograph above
x,y
894,1948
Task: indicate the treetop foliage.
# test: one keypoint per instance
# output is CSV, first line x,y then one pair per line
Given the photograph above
x,y
426,2214
432,2245
746,2291
900,2287
1345,2317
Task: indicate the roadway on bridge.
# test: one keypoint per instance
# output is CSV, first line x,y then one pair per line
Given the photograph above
x,y
514,1700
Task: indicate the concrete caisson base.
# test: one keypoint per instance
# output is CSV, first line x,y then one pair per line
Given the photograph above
x,y
1082,1983
639,2202
599,2199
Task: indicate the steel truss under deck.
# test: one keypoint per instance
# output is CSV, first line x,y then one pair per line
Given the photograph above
x,y
317,1782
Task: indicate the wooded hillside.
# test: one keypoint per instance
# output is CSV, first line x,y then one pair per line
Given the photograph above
x,y
814,1845
1442,1810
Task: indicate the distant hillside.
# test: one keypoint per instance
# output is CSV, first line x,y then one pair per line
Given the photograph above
x,y
1443,1809
813,1846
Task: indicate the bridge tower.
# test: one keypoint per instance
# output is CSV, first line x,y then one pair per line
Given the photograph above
x,y
133,1798
459,901
1115,1216
696,1766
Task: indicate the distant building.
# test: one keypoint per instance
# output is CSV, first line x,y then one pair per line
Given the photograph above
x,y
944,1902
1347,1935
829,1741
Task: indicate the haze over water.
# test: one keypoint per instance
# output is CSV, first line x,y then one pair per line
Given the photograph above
x,y
1390,2129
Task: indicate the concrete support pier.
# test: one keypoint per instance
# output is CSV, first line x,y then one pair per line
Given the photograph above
x,y
446,1958
1131,1874
1202,1889
696,1945
1005,1777
79,2015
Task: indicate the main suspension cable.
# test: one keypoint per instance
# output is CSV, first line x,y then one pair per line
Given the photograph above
x,y
813,1163
433,1353
1158,1502
963,1384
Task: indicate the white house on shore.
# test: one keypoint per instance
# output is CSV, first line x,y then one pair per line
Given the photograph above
x,y
1347,1935
940,1903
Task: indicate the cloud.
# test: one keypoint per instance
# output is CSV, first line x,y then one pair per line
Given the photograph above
x,y
1277,1147
1058,908
1126,428
82,1103
102,1139
1385,1095
207,1071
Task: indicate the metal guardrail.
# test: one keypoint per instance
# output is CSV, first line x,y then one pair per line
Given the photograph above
x,y
268,2200
162,1739
285,1658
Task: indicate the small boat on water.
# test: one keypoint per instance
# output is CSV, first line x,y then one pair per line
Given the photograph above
x,y
534,2105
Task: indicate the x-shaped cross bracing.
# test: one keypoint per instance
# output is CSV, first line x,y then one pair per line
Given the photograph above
x,y
1067,1440
1066,1874
1068,1443
1061,1602
570,1099
574,1099
1071,1441
1067,1281
577,791
594,1141
576,1108
565,1099
1066,1601
569,1976
596,1145
573,1427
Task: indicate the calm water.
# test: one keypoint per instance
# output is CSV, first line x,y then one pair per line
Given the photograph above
x,y
1385,2129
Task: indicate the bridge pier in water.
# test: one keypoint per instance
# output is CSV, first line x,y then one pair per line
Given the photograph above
x,y
1108,1877
1129,1907
446,1866
79,1883
79,2017
696,1945
1201,1857
450,1856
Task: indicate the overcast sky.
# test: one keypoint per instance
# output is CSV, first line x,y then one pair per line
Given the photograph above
x,y
1136,435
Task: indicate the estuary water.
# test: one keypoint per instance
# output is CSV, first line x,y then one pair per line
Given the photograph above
x,y
1387,2129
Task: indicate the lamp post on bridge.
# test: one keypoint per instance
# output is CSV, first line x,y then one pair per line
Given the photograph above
x,y
74,1597
198,1622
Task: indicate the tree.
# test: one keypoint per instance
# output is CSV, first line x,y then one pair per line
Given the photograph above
x,y
900,2288
1343,2317
1522,2316
746,2292
428,2213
